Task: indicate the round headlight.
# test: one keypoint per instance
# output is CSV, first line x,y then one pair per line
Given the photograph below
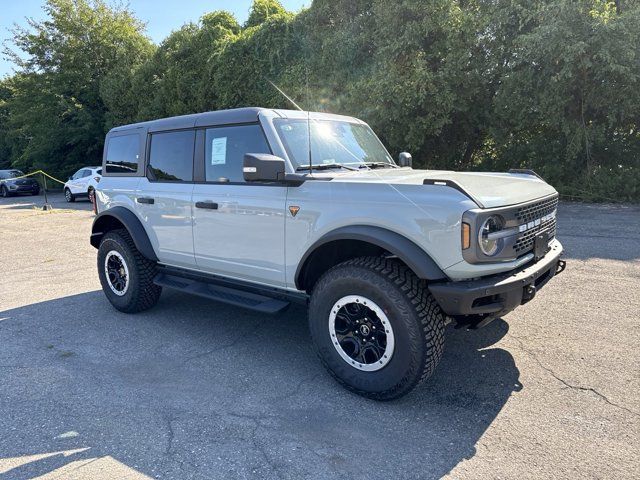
x,y
490,244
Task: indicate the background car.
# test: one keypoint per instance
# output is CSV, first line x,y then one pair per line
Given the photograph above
x,y
82,183
9,186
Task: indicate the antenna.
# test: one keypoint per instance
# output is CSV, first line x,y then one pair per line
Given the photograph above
x,y
306,74
309,140
298,107
284,94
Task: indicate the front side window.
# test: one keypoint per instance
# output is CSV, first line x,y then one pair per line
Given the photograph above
x,y
78,174
225,149
332,142
122,154
171,156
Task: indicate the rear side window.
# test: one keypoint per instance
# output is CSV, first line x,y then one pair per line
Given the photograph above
x,y
171,156
225,149
122,154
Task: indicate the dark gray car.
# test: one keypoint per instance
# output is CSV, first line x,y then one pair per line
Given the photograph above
x,y
10,184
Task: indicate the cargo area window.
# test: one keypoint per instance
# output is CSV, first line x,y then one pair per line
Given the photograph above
x,y
225,148
171,156
123,152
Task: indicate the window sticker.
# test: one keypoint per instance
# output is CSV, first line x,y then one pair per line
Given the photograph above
x,y
218,151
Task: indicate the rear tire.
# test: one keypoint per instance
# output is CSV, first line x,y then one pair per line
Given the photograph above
x,y
90,195
396,298
126,276
69,197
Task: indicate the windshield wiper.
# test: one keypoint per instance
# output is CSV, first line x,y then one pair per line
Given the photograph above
x,y
324,166
377,165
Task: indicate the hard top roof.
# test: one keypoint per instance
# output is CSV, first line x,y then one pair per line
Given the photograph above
x,y
225,117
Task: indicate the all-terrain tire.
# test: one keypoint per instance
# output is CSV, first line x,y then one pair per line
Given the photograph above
x,y
416,318
141,293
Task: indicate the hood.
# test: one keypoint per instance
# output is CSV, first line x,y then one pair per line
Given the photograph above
x,y
489,190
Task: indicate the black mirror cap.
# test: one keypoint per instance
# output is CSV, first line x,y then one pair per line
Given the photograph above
x,y
263,167
405,159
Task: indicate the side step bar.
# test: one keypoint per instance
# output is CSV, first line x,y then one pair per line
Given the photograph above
x,y
225,294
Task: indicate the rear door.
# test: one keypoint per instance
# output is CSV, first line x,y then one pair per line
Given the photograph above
x,y
75,183
83,182
238,228
163,198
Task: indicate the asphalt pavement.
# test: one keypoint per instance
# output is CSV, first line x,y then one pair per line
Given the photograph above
x,y
193,389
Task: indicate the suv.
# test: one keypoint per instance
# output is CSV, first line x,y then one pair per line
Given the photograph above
x,y
82,184
260,208
9,186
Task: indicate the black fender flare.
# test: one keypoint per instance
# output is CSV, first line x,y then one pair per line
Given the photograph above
x,y
406,250
131,222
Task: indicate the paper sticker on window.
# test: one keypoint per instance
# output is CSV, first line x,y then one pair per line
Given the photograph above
x,y
218,151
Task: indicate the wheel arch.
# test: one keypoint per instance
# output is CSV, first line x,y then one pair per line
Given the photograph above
x,y
121,217
349,242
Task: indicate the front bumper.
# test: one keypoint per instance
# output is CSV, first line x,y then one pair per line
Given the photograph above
x,y
497,295
25,188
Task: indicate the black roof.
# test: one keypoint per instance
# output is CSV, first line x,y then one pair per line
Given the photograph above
x,y
236,115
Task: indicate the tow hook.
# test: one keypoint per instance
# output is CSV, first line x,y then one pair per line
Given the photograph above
x,y
562,264
528,293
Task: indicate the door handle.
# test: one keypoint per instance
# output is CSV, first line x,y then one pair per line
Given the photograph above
x,y
207,205
147,200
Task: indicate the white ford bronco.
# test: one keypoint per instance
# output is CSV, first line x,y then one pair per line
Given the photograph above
x,y
259,208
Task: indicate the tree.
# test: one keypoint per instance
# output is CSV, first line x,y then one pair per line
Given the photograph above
x,y
74,60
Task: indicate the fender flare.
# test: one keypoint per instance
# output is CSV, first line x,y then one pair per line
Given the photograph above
x,y
406,250
131,222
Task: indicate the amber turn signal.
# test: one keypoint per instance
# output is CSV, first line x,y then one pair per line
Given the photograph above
x,y
466,236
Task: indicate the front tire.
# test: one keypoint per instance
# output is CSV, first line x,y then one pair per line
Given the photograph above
x,y
126,276
68,196
4,191
348,337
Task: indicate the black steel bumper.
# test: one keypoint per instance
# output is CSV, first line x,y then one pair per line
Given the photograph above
x,y
497,295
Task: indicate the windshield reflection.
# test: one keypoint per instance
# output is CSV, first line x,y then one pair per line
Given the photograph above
x,y
334,144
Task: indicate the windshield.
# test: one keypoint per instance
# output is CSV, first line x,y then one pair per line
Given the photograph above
x,y
332,142
12,174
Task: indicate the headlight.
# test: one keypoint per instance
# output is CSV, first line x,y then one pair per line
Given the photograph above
x,y
489,242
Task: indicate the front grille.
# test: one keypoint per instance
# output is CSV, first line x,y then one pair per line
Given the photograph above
x,y
533,219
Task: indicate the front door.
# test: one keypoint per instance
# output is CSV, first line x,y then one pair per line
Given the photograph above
x,y
163,198
238,228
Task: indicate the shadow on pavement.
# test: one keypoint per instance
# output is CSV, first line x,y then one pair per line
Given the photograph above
x,y
196,389
56,199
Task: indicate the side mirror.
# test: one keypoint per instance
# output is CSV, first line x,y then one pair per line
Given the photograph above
x,y
70,178
263,167
405,160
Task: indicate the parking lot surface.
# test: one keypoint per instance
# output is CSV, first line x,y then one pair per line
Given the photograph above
x,y
197,389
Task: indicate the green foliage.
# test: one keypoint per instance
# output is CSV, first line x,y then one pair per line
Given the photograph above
x,y
262,11
551,85
78,63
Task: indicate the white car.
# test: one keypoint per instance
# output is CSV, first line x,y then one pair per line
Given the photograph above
x,y
83,183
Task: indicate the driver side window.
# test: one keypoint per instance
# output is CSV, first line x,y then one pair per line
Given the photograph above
x,y
225,149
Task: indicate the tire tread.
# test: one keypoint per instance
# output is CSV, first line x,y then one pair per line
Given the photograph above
x,y
430,317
